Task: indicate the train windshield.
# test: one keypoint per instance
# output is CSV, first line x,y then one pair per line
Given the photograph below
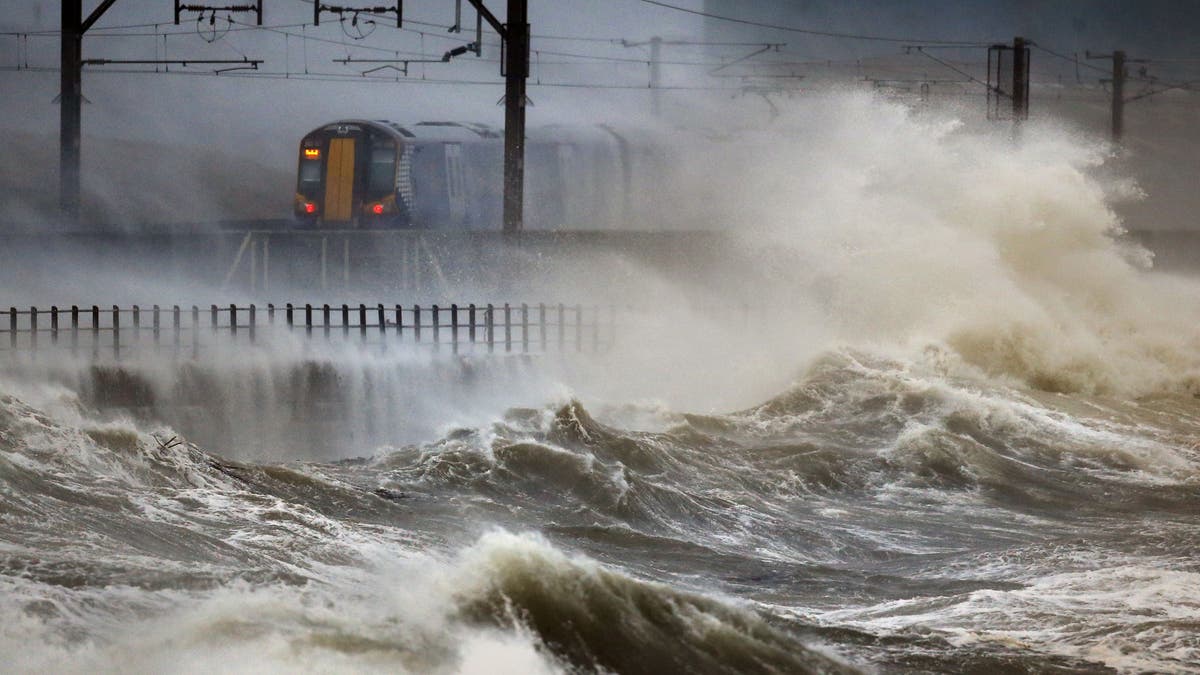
x,y
382,174
310,171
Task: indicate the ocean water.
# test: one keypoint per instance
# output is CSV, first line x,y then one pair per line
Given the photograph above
x,y
974,447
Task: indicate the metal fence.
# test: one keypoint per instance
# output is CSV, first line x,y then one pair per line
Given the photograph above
x,y
188,332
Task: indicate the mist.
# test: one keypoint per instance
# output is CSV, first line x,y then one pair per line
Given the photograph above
x,y
826,365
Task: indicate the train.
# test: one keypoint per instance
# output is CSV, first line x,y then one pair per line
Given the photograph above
x,y
378,174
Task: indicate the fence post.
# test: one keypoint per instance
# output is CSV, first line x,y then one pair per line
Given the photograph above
x,y
417,323
471,320
382,327
54,325
595,329
95,331
362,321
116,329
507,328
289,315
325,316
578,328
175,326
437,324
195,332
33,330
524,327
156,318
74,330
213,315
562,327
137,323
271,314
400,322
490,328
542,324
250,323
345,320
308,320
454,328
12,329
233,321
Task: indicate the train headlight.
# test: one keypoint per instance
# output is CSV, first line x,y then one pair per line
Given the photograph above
x,y
377,209
310,208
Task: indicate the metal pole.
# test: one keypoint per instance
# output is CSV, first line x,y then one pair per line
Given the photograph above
x,y
562,327
542,324
1020,80
71,99
437,325
489,328
382,327
70,112
116,329
516,64
74,330
524,327
95,331
507,328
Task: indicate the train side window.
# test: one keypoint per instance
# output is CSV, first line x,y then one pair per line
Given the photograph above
x,y
310,171
382,173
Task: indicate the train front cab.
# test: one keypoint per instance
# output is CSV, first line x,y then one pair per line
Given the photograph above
x,y
347,178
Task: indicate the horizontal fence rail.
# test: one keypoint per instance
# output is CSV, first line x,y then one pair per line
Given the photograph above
x,y
120,332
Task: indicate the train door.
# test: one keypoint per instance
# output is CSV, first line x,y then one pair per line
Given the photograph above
x,y
339,180
456,183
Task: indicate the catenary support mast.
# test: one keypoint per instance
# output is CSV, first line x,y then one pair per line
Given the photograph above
x,y
515,34
71,101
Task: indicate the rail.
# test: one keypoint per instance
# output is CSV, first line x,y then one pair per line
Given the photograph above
x,y
117,332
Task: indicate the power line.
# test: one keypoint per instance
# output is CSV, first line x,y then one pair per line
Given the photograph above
x,y
806,31
1070,59
341,77
947,65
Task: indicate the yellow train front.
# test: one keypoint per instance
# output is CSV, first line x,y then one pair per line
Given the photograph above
x,y
449,176
348,176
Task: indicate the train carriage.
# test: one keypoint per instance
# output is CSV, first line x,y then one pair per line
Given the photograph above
x,y
450,175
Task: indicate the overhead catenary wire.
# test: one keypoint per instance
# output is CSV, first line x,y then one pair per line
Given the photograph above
x,y
810,31
574,58
964,73
351,78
